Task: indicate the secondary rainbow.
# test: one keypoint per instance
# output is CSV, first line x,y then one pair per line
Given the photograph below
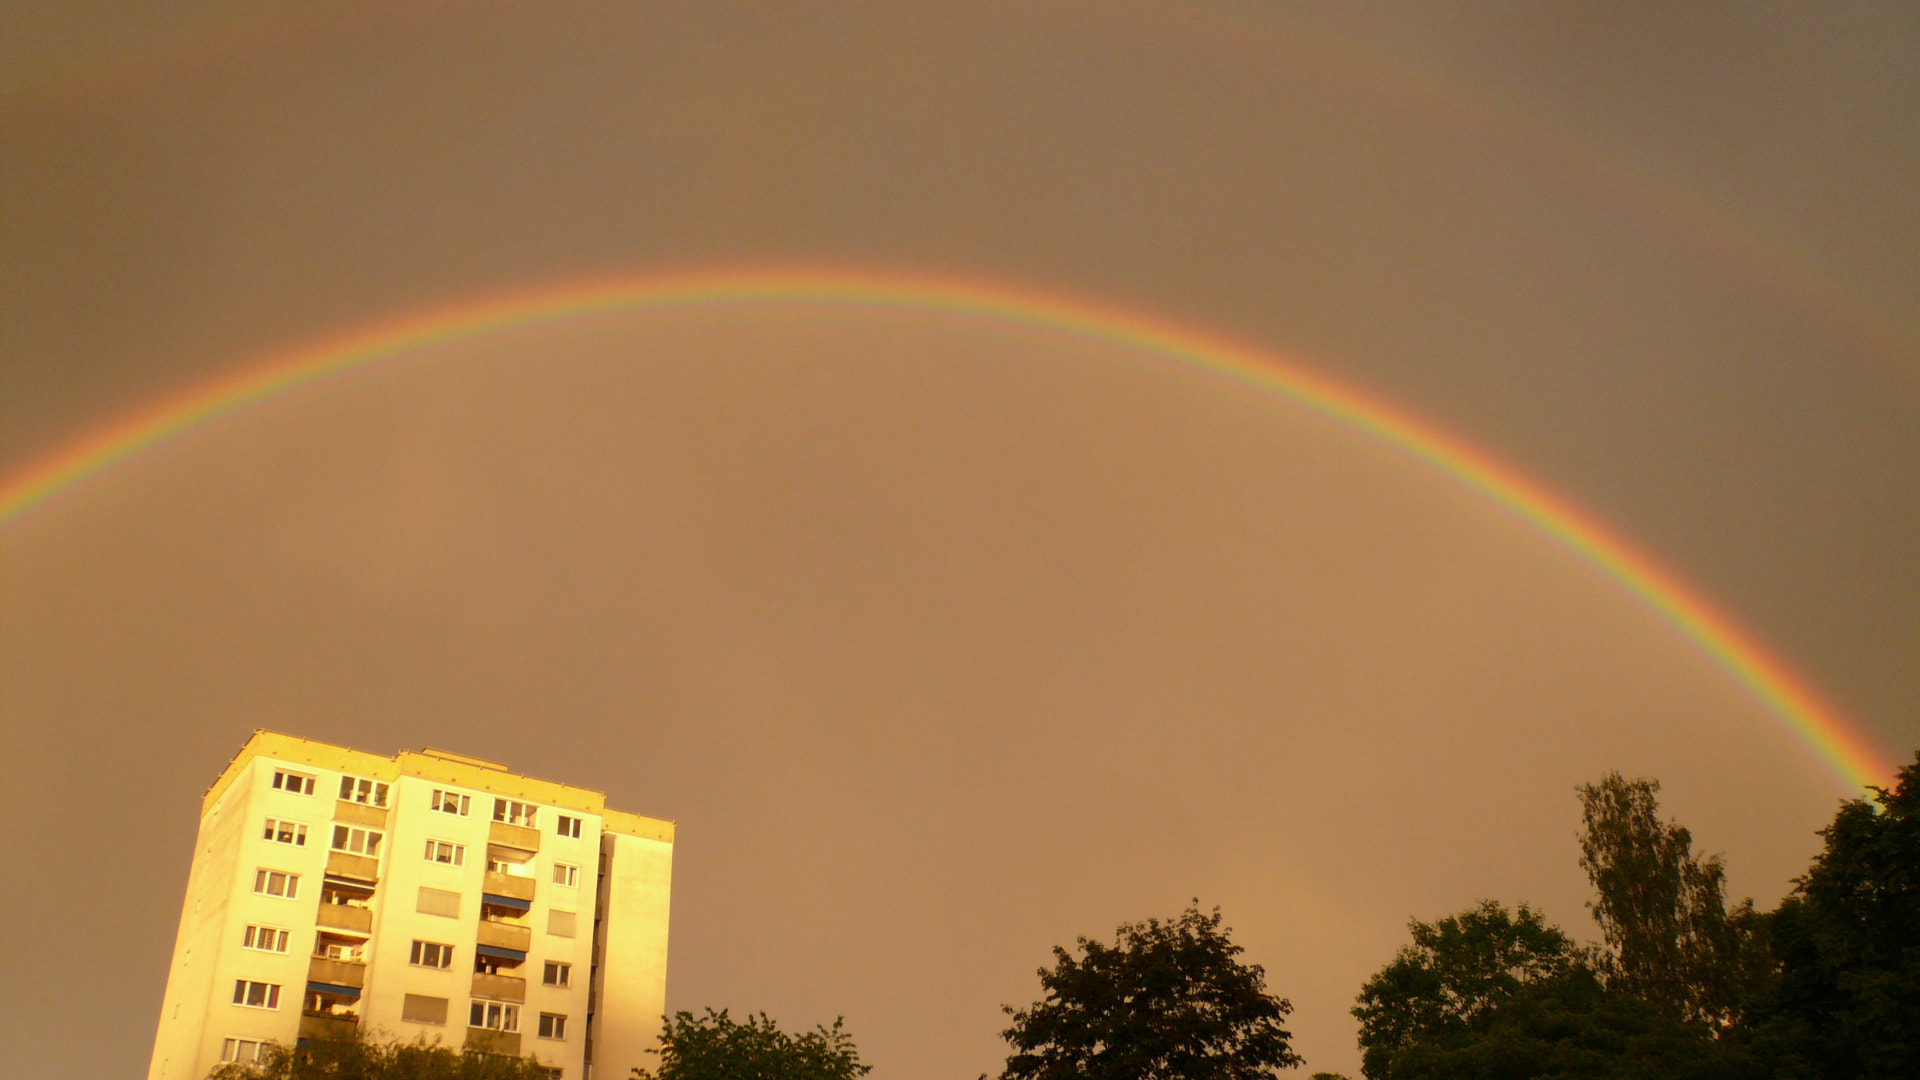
x,y
1848,755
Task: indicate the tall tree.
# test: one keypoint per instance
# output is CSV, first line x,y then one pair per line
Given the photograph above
x,y
1847,1003
1661,909
1165,1001
718,1047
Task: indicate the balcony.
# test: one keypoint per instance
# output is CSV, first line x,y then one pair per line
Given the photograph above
x,y
353,813
518,837
499,987
488,1041
316,1025
354,920
502,935
345,864
508,885
336,972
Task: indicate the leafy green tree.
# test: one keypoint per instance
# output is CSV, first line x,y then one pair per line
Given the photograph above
x,y
717,1047
1439,989
1662,910
1847,1002
355,1057
1165,1001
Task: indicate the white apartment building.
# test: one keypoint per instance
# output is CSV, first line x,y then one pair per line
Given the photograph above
x,y
428,894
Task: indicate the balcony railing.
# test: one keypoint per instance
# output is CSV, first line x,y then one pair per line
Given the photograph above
x,y
505,935
499,987
354,920
518,837
488,1041
353,867
353,813
336,972
513,885
315,1025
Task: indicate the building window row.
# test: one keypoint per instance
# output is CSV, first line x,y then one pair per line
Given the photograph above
x,y
361,790
297,783
256,995
515,813
276,883
432,954
266,938
285,832
357,841
244,1051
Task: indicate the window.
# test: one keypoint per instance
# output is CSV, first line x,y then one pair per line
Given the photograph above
x,y
358,841
558,974
298,783
439,902
430,954
553,1026
441,851
495,1015
499,865
514,813
285,832
422,1009
256,995
245,1051
451,803
569,826
267,938
560,923
275,883
361,790
565,875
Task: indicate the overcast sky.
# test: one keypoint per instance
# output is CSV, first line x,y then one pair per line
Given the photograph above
x,y
943,639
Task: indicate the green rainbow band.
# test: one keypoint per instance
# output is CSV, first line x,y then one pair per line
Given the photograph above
x,y
1848,755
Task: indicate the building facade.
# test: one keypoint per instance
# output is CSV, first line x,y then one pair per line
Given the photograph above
x,y
424,895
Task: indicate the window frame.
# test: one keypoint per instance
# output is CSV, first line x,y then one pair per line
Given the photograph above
x,y
558,974
364,790
370,840
434,847
294,783
552,1026
425,952
482,1010
451,802
243,990
231,1045
272,833
568,826
566,874
263,879
256,933
514,812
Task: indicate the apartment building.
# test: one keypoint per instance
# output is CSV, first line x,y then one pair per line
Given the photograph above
x,y
427,894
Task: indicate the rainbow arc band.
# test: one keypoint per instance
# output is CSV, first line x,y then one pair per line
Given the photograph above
x,y
1846,754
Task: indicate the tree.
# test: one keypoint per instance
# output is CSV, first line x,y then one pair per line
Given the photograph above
x,y
1662,911
354,1057
717,1047
1166,1001
1847,1001
1438,989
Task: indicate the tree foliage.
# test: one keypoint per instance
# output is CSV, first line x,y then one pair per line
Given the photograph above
x,y
1847,1000
1661,909
1441,988
717,1047
358,1058
1166,1001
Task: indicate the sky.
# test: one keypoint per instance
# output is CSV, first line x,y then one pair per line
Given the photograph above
x,y
946,637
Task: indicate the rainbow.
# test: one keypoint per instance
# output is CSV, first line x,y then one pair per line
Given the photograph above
x,y
1832,739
